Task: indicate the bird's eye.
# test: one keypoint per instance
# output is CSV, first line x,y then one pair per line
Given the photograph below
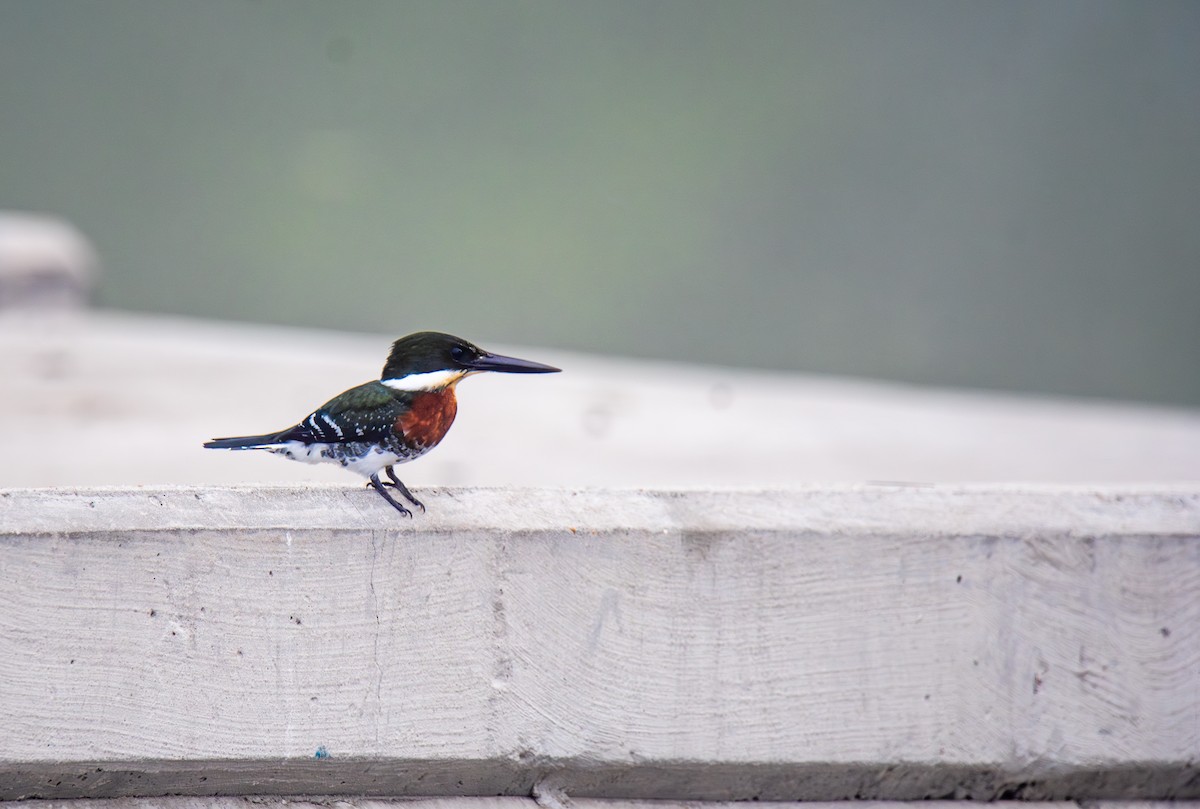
x,y
459,353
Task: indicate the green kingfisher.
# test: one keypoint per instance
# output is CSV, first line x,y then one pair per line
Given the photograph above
x,y
401,416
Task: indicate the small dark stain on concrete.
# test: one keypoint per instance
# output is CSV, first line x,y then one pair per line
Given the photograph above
x,y
697,545
1165,632
1016,792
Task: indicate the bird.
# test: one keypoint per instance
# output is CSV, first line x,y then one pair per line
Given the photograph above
x,y
397,418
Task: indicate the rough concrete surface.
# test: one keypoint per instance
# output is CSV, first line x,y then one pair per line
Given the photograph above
x,y
821,643
108,399
337,802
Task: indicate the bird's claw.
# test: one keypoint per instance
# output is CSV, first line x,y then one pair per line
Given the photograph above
x,y
397,484
379,486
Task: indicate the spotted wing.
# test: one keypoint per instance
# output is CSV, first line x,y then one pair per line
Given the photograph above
x,y
366,413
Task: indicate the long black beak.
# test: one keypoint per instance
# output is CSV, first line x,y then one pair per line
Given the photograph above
x,y
509,365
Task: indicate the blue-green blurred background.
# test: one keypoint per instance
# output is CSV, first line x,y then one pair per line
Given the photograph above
x,y
1002,195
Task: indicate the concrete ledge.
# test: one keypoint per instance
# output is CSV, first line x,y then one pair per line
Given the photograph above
x,y
861,642
350,802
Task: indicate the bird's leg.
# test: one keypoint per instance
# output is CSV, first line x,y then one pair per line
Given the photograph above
x,y
396,483
384,492
391,470
391,473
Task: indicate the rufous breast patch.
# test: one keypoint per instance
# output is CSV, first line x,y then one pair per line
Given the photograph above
x,y
431,414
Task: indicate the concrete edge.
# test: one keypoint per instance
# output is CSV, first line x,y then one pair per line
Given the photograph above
x,y
353,802
699,781
859,510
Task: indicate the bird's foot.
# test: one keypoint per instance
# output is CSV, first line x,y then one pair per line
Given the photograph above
x,y
395,482
379,487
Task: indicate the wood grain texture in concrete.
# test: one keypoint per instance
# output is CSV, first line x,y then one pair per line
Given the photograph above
x,y
820,643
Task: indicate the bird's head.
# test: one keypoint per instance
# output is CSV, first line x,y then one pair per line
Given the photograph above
x,y
428,360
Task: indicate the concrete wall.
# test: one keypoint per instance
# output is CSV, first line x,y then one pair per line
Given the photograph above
x,y
866,642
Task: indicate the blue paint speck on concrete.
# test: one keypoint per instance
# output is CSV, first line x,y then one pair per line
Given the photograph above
x,y
322,752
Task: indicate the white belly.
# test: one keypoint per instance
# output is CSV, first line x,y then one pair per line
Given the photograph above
x,y
370,463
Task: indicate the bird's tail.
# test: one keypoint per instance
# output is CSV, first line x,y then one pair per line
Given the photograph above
x,y
244,442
